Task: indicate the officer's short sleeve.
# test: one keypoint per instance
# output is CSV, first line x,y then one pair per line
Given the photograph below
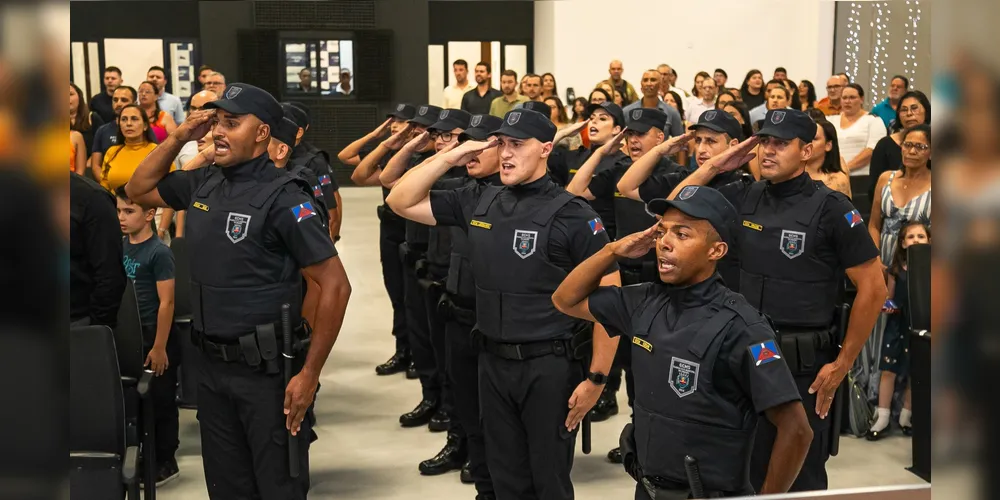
x,y
604,183
325,177
614,307
450,206
759,366
178,187
849,233
301,228
577,233
660,185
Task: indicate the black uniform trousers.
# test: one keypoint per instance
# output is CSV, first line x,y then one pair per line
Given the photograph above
x,y
163,391
813,474
524,408
392,233
437,331
243,437
415,300
463,373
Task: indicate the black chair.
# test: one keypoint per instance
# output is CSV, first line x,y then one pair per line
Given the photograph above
x,y
919,293
135,382
102,465
190,368
859,195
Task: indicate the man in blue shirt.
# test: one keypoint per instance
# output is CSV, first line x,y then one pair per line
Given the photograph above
x,y
886,110
168,102
650,87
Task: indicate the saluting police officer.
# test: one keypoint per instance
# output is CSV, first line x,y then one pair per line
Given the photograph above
x,y
524,238
253,227
643,134
368,160
796,239
414,252
318,162
717,355
458,307
646,180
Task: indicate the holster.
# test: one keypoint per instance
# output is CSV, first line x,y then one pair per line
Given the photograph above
x,y
267,340
420,269
429,284
800,348
630,456
379,211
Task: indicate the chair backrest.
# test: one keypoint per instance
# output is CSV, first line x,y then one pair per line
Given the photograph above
x,y
96,402
182,278
918,274
128,334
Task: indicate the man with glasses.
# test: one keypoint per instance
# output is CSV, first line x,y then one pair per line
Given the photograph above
x,y
216,82
830,105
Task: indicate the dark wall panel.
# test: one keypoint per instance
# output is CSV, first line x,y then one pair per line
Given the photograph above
x,y
221,22
326,14
510,20
131,19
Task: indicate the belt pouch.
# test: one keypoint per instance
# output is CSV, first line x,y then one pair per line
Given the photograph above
x,y
250,352
268,343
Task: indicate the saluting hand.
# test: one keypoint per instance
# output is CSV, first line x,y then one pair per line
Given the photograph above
x,y
675,145
635,245
197,124
299,395
615,144
418,142
380,130
734,156
398,139
571,130
469,150
825,386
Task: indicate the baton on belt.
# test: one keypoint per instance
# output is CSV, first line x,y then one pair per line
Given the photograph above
x,y
694,477
840,397
286,337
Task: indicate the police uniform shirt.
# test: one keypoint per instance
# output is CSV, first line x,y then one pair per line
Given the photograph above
x,y
572,238
317,163
605,182
668,174
843,241
567,163
307,239
749,380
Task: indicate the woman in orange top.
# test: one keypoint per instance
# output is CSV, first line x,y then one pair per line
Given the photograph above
x,y
160,121
77,152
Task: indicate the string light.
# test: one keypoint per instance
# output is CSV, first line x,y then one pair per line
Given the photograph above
x,y
910,47
853,44
880,52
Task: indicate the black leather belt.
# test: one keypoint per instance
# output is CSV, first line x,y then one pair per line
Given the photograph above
x,y
230,350
527,350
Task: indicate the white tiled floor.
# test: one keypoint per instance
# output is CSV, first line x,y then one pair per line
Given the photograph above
x,y
363,453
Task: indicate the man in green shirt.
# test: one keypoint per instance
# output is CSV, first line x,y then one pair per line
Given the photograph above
x,y
510,98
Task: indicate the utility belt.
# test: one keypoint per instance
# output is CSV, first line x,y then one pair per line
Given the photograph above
x,y
448,310
659,488
385,214
801,347
414,254
259,350
638,272
577,348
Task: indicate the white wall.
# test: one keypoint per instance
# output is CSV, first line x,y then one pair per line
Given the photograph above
x,y
576,39
133,57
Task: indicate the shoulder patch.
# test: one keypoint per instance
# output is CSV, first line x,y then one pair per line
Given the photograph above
x,y
764,352
324,180
303,211
854,218
596,225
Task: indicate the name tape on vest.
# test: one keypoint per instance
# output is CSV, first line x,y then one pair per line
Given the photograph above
x,y
484,225
753,225
642,343
200,206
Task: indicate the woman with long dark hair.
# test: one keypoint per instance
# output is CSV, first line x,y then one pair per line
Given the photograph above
x,y
807,95
752,90
549,87
825,164
579,108
913,109
675,100
698,78
81,119
738,110
159,121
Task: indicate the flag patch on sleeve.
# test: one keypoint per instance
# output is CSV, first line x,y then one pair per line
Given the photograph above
x,y
596,225
317,191
764,353
303,211
854,217
324,180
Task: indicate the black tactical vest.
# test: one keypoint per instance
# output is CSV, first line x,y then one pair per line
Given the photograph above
x,y
604,208
678,410
236,282
461,284
417,234
439,238
782,276
514,278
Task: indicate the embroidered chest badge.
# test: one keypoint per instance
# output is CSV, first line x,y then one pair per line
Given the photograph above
x,y
524,242
683,376
237,226
793,243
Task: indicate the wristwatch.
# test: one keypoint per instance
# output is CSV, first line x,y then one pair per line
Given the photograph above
x,y
597,378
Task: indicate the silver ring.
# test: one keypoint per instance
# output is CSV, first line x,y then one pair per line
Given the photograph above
x,y
831,397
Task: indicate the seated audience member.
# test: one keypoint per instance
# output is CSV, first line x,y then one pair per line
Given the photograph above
x,y
913,109
886,110
857,130
149,263
106,135
96,278
825,163
81,119
161,123
894,359
752,90
807,95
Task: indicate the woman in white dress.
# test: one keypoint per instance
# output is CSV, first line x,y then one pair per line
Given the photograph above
x,y
857,130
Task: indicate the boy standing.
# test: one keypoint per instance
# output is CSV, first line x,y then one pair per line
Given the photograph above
x,y
149,263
